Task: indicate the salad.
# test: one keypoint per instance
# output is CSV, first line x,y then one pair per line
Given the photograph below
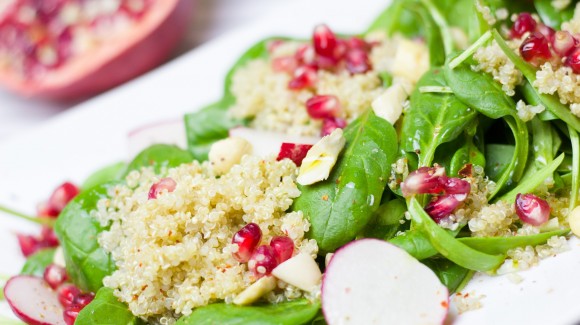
x,y
340,179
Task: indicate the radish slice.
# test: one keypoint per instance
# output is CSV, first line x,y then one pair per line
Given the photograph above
x,y
267,143
33,301
167,132
370,281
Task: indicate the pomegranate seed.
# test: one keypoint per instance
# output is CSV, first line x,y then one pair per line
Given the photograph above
x,y
304,77
563,43
357,61
547,31
459,187
305,54
55,275
28,244
83,299
531,209
263,261
324,41
67,294
283,248
247,239
573,61
358,43
323,106
61,196
535,48
441,207
330,124
293,151
326,62
425,180
285,64
166,184
71,313
272,45
48,237
523,24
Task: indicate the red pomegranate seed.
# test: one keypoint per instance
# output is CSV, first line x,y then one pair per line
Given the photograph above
x,y
323,106
459,187
358,43
442,206
283,248
535,48
523,24
563,43
83,299
573,61
48,237
45,210
324,41
293,151
166,184
425,180
285,64
357,61
263,261
330,124
247,239
547,31
71,313
305,54
531,209
28,244
67,294
304,77
61,196
272,45
55,275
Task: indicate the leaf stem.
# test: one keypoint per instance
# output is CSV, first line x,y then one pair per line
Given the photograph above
x,y
441,22
470,50
41,221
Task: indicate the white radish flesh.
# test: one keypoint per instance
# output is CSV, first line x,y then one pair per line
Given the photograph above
x,y
370,281
167,132
33,301
267,143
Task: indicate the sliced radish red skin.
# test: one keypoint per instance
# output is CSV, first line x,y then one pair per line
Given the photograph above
x,y
33,301
293,151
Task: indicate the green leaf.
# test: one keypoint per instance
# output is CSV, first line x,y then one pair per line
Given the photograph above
x,y
433,118
500,245
288,313
415,243
86,262
498,159
340,207
106,174
106,309
449,273
552,16
37,262
450,247
159,156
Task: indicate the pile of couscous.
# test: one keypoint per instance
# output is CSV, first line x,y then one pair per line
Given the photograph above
x,y
174,253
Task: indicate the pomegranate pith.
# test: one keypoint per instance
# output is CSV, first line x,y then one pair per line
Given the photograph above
x,y
247,239
532,209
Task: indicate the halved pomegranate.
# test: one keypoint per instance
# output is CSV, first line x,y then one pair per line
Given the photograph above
x,y
69,49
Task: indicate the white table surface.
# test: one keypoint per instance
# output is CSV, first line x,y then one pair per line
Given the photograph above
x,y
211,18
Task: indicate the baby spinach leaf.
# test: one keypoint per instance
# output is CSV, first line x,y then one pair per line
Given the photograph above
x,y
340,207
433,118
386,220
575,142
106,309
450,247
467,154
86,262
551,16
159,156
415,243
287,313
209,125
36,263
106,174
498,159
449,273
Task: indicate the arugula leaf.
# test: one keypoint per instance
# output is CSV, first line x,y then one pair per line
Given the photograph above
x,y
159,156
340,207
37,262
86,262
433,119
287,313
106,309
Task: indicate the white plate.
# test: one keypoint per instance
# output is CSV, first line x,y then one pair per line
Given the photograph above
x,y
93,134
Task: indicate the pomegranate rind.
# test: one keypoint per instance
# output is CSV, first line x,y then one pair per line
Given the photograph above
x,y
33,301
370,281
125,56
